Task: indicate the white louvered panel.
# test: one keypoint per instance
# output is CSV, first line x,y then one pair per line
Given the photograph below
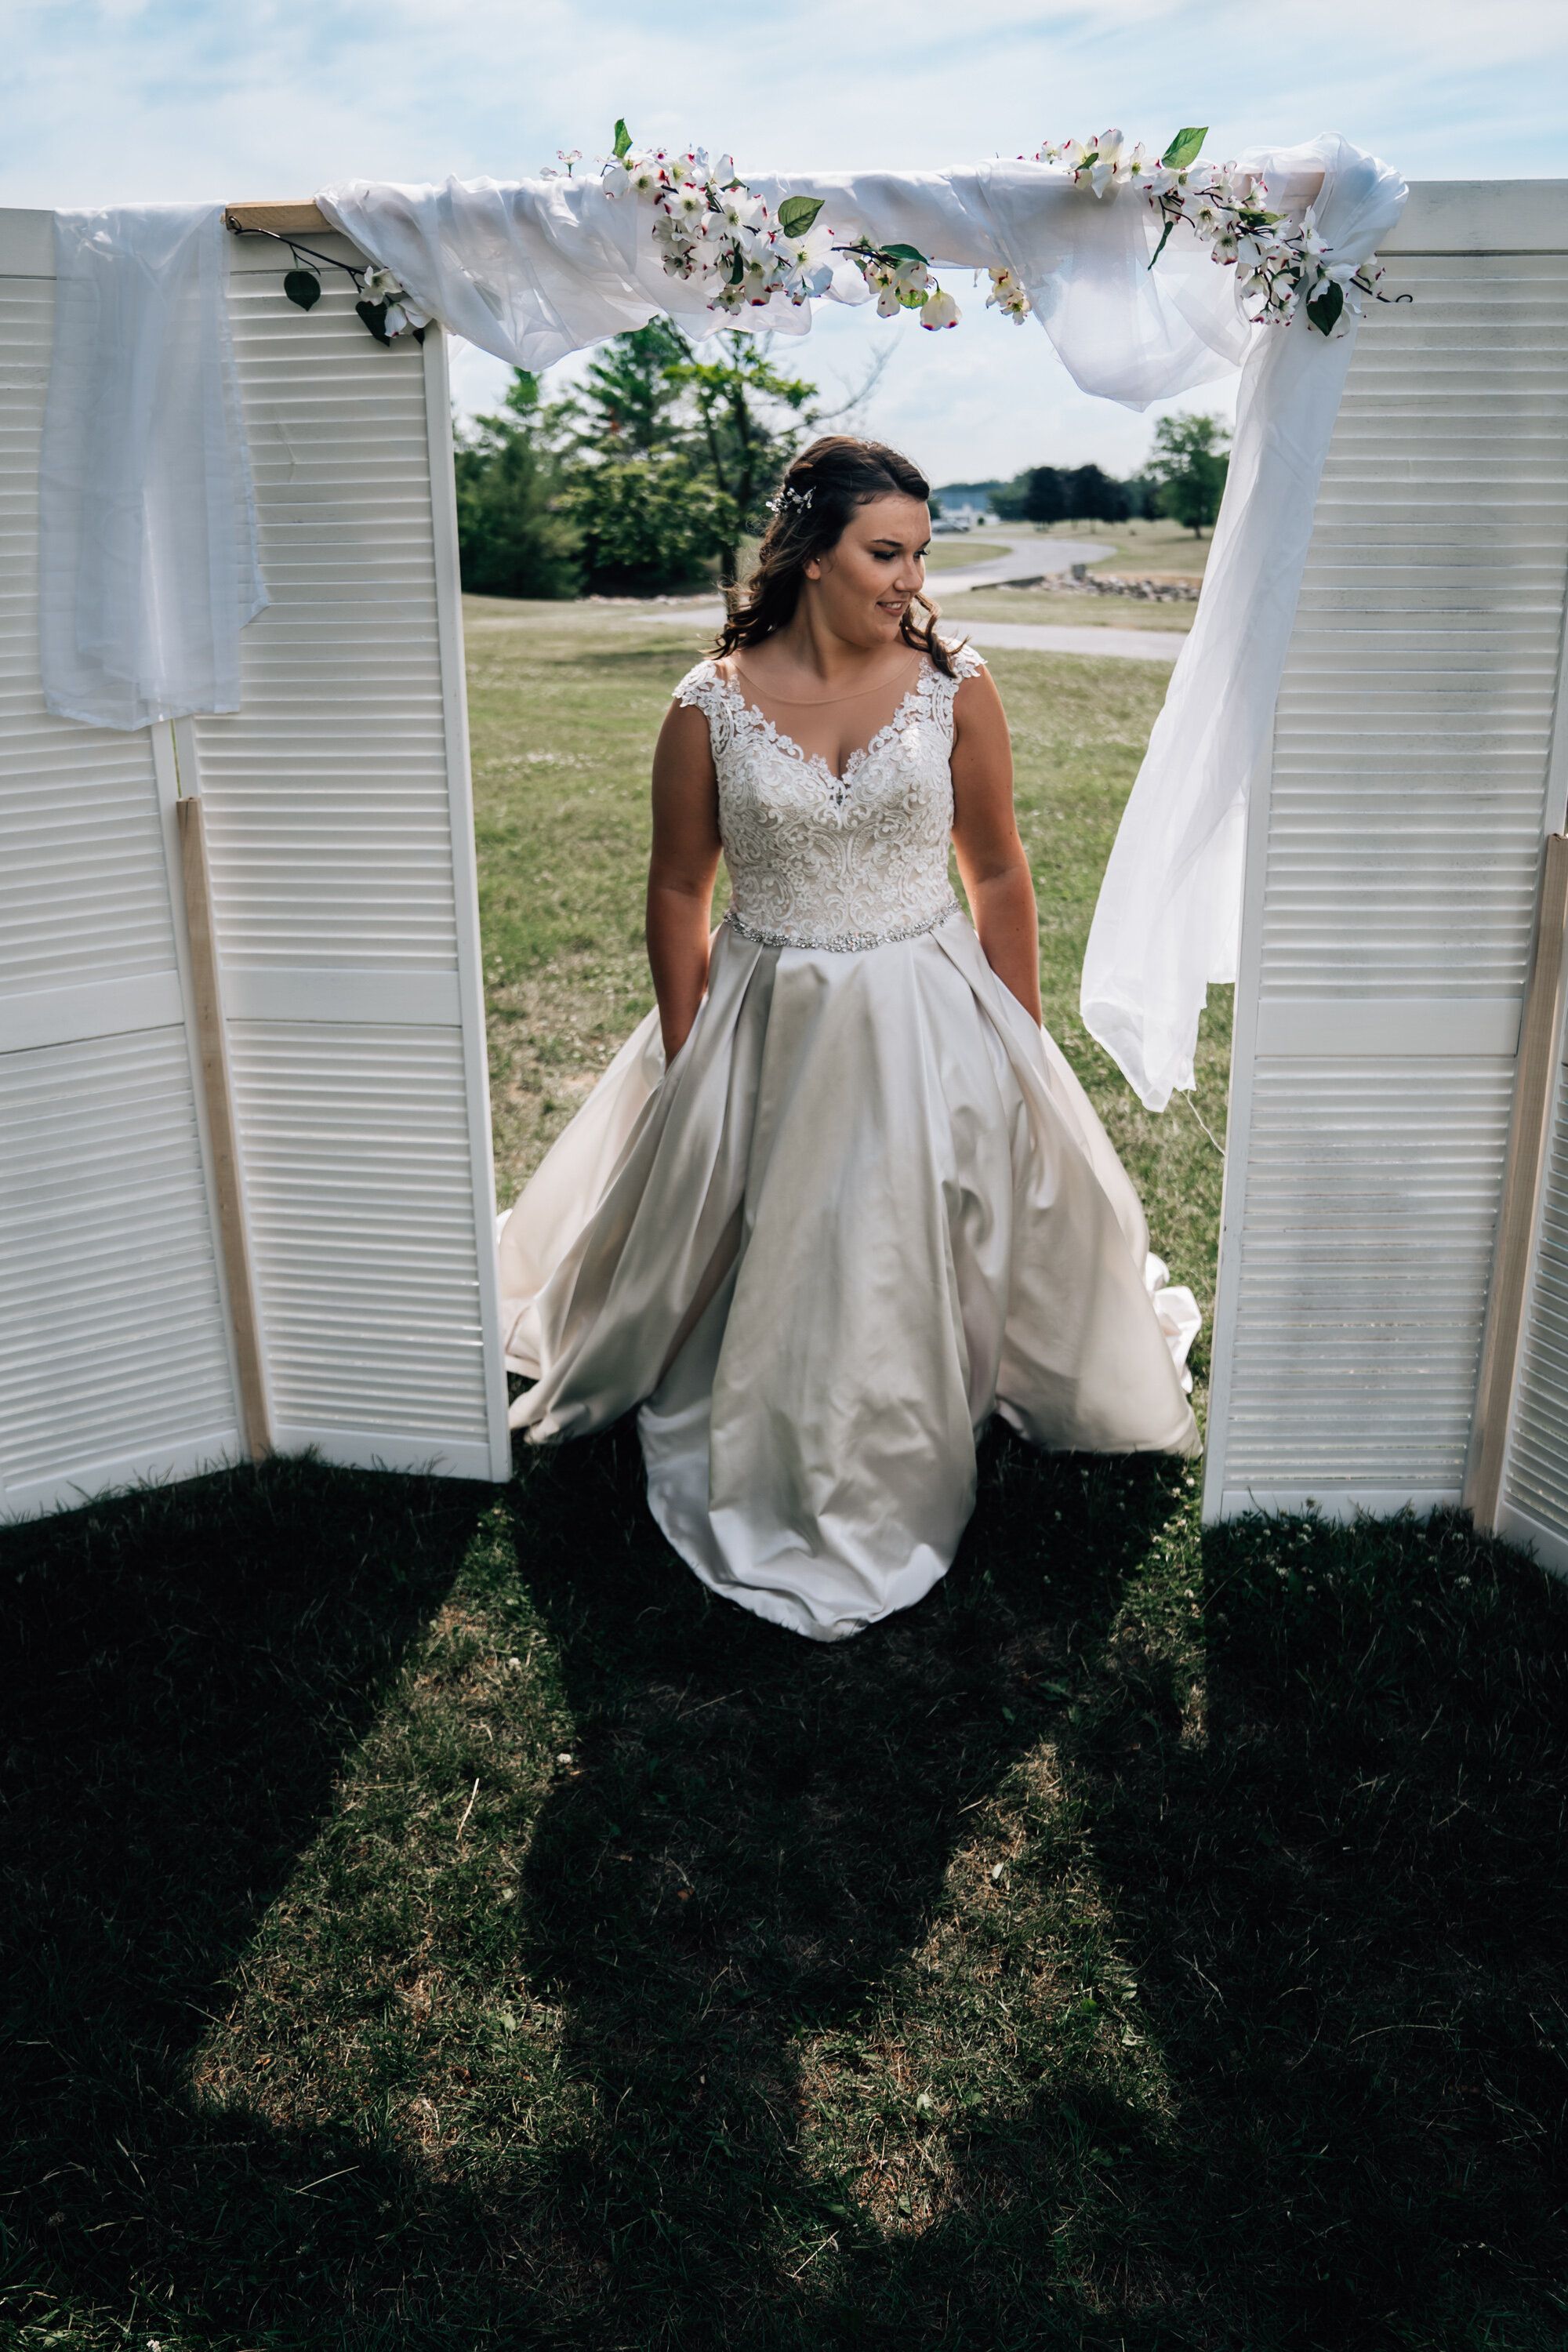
x,y
357,1164
1535,1477
329,816
1393,863
341,839
113,1358
114,1352
1365,1252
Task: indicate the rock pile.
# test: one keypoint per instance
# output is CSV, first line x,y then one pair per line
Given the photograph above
x,y
1152,590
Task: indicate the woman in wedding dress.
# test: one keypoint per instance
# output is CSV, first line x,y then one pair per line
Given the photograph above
x,y
840,1198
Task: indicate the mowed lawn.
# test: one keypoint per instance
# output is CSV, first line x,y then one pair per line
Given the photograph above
x,y
432,1921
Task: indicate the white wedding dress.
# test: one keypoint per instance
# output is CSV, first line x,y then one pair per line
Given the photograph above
x,y
867,1205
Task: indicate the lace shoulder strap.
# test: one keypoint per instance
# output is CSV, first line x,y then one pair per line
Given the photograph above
x,y
704,687
937,690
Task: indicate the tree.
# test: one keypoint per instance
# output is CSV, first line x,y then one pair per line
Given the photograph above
x,y
628,402
1092,496
644,523
1045,499
1188,467
750,420
645,518
513,537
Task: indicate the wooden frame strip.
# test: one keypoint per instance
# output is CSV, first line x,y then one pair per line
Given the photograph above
x,y
1533,1097
212,1041
283,220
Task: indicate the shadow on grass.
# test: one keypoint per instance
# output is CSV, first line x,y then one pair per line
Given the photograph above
x,y
1239,2021
183,1674
758,1839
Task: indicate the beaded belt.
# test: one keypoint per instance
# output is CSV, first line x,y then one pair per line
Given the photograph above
x,y
843,942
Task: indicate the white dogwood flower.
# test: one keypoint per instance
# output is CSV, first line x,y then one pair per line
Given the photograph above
x,y
941,311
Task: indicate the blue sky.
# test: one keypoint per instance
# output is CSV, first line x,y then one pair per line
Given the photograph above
x,y
109,101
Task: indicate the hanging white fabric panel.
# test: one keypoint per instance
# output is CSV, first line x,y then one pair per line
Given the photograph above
x,y
1391,862
148,567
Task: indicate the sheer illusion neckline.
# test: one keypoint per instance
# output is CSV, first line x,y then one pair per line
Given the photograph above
x,y
853,760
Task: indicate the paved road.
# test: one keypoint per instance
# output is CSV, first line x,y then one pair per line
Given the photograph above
x,y
1033,636
1062,637
1026,559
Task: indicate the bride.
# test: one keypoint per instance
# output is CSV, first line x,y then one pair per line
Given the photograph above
x,y
840,1198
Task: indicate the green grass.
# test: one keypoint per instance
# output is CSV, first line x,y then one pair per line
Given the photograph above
x,y
433,1922
1062,607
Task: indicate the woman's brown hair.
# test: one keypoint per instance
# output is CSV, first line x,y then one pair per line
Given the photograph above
x,y
818,495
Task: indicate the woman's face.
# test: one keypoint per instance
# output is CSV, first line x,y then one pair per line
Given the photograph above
x,y
862,587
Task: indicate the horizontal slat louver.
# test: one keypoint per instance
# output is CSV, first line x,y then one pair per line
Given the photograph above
x,y
357,1165
1392,867
114,1358
329,817
1415,718
1364,1256
111,1348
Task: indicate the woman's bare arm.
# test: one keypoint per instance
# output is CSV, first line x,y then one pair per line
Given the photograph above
x,y
681,870
986,835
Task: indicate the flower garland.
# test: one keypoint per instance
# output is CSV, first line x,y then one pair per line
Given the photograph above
x,y
711,229
1279,263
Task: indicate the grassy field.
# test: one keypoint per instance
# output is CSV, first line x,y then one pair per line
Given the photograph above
x,y
1077,611
434,1922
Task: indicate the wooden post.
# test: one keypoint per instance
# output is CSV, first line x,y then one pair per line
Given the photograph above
x,y
213,1041
1534,1094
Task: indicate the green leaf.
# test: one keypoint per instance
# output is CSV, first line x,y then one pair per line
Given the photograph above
x,y
303,287
1165,238
1325,306
375,317
623,139
901,253
1185,149
797,212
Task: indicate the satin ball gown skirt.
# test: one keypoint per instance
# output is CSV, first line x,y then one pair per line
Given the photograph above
x,y
866,1206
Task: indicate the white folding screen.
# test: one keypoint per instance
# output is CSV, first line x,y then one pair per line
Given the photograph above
x,y
1393,863
340,834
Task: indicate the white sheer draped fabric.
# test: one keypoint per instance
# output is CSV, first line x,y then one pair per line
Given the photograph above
x,y
1169,915
147,544
538,269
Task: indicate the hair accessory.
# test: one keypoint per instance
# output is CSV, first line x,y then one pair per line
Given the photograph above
x,y
789,496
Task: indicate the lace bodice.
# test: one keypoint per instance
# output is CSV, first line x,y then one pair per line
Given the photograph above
x,y
823,861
